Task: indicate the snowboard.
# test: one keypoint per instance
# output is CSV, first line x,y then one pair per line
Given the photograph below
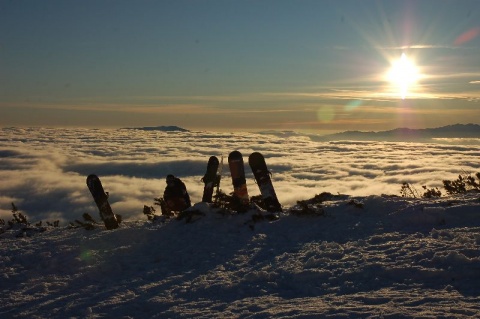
x,y
237,171
211,179
101,199
262,176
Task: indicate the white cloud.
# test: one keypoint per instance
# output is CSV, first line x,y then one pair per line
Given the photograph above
x,y
43,171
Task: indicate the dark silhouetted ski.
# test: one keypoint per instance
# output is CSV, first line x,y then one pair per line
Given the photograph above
x,y
211,179
101,199
262,176
237,171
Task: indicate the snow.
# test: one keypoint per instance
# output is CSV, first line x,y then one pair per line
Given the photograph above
x,y
386,257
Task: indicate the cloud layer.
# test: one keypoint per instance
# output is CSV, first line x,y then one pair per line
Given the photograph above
x,y
43,171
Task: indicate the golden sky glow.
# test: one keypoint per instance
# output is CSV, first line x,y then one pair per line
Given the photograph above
x,y
238,65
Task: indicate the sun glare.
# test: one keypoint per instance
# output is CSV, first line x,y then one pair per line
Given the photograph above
x,y
403,74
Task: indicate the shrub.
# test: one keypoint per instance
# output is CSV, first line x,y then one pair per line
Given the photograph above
x,y
21,223
163,207
431,193
464,183
230,204
88,223
408,190
18,218
149,211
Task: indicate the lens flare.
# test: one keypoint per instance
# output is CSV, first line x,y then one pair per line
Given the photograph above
x,y
325,114
467,36
86,255
352,105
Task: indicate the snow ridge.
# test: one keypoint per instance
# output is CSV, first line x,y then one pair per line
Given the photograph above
x,y
388,257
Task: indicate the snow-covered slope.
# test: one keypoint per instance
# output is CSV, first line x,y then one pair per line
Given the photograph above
x,y
358,257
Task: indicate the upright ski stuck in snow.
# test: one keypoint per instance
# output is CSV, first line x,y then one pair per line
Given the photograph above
x,y
219,178
101,199
237,170
262,176
211,179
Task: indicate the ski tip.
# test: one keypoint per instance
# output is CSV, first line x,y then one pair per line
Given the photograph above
x,y
91,177
256,157
213,159
235,154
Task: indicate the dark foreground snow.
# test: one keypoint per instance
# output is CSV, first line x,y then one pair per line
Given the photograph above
x,y
391,258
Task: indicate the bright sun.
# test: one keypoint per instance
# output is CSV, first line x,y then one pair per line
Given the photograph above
x,y
403,74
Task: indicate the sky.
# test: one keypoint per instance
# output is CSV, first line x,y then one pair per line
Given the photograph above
x,y
321,66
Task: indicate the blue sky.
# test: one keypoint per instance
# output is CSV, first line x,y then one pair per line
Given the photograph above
x,y
238,65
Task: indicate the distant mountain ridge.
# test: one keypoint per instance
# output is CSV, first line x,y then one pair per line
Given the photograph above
x,y
406,134
171,128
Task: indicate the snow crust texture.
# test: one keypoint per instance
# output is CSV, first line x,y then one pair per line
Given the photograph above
x,y
389,257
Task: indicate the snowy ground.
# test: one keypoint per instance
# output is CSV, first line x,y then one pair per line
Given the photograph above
x,y
373,257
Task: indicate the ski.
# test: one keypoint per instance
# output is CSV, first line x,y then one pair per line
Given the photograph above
x,y
237,171
262,177
210,179
219,178
101,199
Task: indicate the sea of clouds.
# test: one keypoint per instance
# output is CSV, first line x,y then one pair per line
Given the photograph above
x,y
43,170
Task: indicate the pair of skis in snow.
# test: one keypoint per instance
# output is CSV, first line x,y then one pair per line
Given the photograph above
x,y
260,171
211,180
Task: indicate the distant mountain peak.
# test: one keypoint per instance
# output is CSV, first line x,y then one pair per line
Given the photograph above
x,y
162,128
408,134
